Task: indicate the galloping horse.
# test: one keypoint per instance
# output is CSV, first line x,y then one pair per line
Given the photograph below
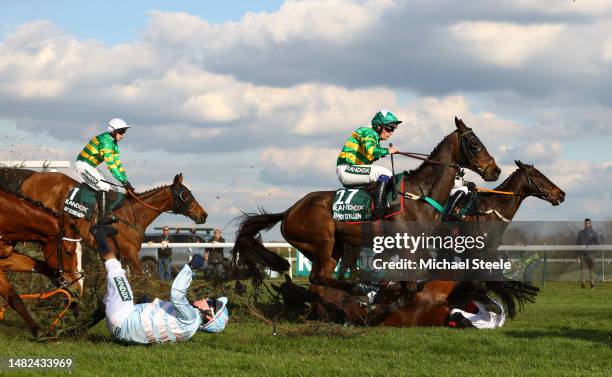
x,y
308,225
431,306
138,211
24,220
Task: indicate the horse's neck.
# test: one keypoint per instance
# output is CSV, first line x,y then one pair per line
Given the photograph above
x,y
507,205
144,216
435,180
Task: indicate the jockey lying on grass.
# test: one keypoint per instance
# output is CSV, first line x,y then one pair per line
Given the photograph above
x,y
157,321
354,165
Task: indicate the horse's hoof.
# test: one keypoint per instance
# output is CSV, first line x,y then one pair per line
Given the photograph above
x,y
37,332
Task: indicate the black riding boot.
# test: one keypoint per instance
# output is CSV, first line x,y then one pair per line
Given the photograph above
x,y
103,215
379,199
450,212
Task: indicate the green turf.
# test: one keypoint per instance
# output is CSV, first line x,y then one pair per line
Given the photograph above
x,y
566,333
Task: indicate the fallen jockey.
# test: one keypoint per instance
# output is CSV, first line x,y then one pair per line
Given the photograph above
x,y
478,316
158,321
354,164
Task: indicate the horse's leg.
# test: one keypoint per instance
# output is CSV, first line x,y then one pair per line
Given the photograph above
x,y
324,265
22,263
12,298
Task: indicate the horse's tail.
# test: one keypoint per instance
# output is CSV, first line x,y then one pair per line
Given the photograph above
x,y
249,250
513,293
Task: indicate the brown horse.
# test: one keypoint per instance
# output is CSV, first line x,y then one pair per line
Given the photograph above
x,y
24,220
524,182
136,214
431,306
308,224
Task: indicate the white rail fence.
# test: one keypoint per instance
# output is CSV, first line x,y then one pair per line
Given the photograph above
x,y
292,253
40,164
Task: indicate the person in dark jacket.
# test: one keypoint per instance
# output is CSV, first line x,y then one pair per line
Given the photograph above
x,y
586,258
164,256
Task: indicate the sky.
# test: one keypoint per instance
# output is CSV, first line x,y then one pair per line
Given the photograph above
x,y
252,101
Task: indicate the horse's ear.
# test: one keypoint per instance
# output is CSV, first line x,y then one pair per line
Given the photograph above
x,y
178,179
459,124
519,164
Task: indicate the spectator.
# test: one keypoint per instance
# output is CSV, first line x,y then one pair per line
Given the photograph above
x,y
214,256
164,256
586,258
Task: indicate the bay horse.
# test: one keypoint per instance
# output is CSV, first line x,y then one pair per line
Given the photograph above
x,y
432,305
22,219
135,215
308,225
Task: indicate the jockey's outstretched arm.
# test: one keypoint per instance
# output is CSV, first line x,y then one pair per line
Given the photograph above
x,y
178,295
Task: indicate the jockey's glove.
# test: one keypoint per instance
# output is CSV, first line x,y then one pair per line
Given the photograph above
x,y
128,186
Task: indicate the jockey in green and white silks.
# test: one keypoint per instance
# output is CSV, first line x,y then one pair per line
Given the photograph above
x,y
103,148
354,165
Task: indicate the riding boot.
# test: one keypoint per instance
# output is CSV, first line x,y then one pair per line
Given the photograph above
x,y
103,215
379,199
450,213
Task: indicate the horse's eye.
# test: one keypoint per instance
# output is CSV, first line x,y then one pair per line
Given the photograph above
x,y
474,144
184,196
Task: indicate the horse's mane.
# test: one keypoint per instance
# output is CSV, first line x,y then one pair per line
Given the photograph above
x,y
416,170
35,203
502,185
152,191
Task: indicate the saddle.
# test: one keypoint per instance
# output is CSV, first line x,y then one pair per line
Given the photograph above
x,y
81,201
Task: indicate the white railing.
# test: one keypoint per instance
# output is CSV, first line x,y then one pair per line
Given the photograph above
x,y
534,248
220,245
42,164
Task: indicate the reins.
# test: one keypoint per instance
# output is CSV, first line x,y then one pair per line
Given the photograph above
x,y
419,156
143,203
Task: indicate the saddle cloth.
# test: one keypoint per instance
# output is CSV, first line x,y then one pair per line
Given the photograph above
x,y
355,205
81,201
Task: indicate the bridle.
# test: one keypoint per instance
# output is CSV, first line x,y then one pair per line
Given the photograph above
x,y
60,260
469,147
533,189
467,155
182,201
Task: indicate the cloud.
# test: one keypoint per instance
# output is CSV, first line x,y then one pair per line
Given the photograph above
x,y
505,44
533,153
307,166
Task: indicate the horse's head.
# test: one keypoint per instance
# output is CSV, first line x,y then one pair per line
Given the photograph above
x,y
473,154
67,258
539,185
183,202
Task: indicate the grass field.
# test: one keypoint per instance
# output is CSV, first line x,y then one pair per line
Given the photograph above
x,y
566,333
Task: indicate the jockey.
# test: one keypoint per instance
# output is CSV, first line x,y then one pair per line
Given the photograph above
x,y
100,148
158,321
354,165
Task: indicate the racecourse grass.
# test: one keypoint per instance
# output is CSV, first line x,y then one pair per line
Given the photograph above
x,y
567,332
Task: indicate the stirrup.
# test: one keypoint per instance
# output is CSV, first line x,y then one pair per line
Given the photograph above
x,y
108,220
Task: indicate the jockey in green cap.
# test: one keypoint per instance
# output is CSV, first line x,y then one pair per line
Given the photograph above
x,y
101,148
354,165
